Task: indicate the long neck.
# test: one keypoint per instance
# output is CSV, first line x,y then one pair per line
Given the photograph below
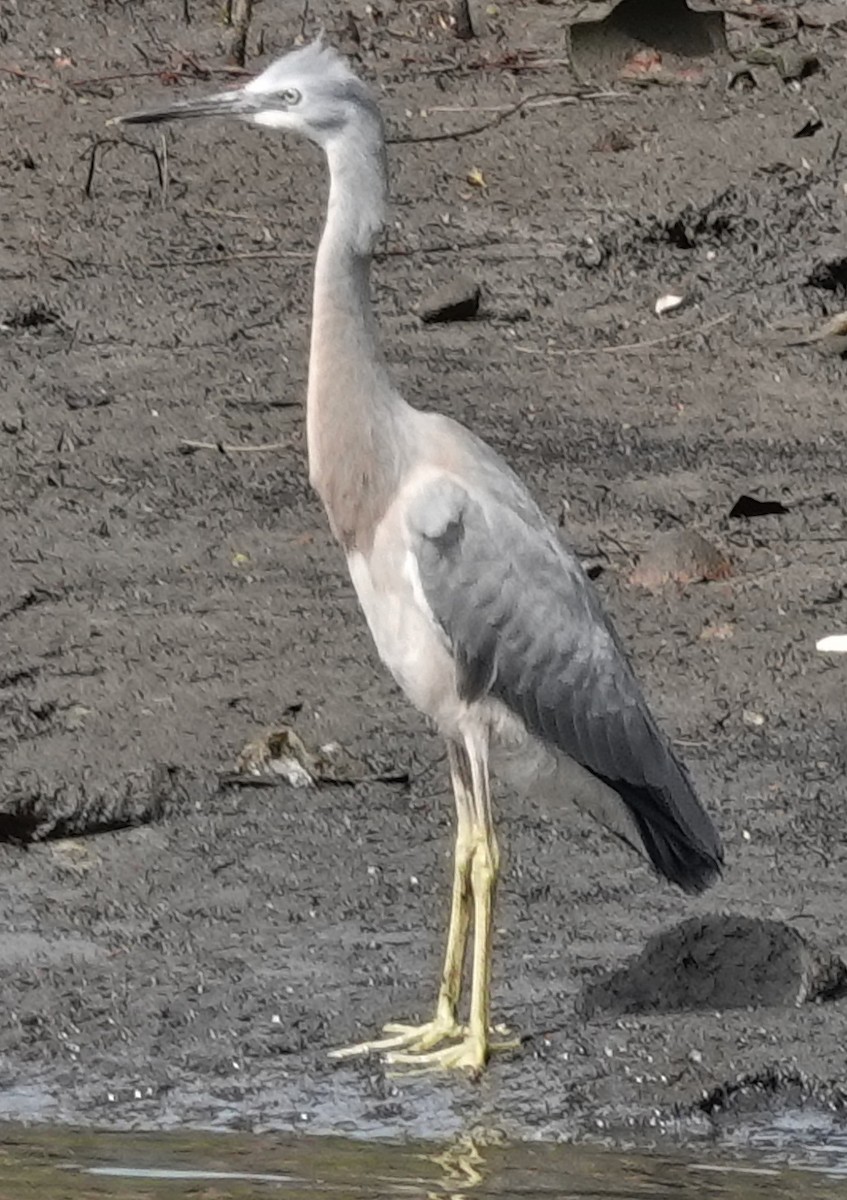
x,y
350,400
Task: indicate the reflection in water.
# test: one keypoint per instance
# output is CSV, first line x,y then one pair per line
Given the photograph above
x,y
463,1163
62,1164
175,1173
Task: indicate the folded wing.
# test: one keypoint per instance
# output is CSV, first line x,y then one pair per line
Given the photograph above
x,y
525,627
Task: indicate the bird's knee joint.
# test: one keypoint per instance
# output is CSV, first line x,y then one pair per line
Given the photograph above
x,y
465,846
485,861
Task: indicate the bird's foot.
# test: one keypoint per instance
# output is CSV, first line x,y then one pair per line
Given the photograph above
x,y
416,1039
470,1054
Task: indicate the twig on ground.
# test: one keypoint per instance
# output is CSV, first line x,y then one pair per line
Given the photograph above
x,y
529,102
19,73
224,448
550,101
162,164
160,159
201,70
215,260
628,347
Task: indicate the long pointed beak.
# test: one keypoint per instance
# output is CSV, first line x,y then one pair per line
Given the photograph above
x,y
224,104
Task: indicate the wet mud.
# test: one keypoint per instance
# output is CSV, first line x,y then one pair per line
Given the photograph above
x,y
178,948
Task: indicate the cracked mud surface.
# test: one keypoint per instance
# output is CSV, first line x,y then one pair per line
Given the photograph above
x,y
161,604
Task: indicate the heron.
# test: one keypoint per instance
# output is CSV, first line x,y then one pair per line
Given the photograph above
x,y
477,606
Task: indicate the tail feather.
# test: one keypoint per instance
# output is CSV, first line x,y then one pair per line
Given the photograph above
x,y
668,826
693,863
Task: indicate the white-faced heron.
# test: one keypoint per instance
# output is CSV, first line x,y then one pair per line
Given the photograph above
x,y
485,619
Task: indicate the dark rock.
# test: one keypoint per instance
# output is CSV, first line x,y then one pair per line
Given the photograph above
x,y
680,556
719,962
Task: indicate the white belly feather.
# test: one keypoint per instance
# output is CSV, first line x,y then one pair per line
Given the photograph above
x,y
407,637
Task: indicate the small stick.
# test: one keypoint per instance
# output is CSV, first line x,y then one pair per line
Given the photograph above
x,y
203,69
223,448
164,175
217,260
548,102
92,165
528,102
105,144
628,347
36,79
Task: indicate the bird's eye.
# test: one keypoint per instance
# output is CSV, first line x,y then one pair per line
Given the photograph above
x,y
291,96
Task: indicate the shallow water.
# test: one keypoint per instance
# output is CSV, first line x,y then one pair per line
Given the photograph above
x,y
83,1165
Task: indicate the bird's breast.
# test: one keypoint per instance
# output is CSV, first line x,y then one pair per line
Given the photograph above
x,y
407,637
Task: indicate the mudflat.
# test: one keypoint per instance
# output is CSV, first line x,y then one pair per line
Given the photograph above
x,y
175,948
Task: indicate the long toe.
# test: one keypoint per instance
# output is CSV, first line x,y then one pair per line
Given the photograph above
x,y
470,1054
415,1038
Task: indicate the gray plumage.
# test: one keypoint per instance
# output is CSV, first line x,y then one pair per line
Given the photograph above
x,y
484,617
526,628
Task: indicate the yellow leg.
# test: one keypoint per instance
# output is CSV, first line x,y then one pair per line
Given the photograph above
x,y
472,1052
445,1025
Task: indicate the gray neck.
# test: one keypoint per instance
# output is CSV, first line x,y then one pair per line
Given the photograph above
x,y
350,399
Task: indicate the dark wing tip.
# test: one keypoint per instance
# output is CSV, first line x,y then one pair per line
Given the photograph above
x,y
692,861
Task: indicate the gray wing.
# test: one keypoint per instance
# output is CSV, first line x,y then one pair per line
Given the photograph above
x,y
525,627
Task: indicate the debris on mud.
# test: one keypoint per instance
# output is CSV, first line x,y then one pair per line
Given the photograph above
x,y
239,14
752,719
719,962
830,274
747,225
615,141
282,754
33,810
644,40
809,128
721,632
667,303
454,301
751,506
835,643
831,338
32,316
680,556
462,20
790,63
774,1088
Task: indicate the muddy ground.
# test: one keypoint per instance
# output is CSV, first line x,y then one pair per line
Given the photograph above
x,y
162,604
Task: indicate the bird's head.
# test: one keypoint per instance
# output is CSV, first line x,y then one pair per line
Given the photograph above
x,y
311,91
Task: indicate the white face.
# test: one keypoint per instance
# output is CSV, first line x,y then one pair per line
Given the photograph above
x,y
311,92
281,100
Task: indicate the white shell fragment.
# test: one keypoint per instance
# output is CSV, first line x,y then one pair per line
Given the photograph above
x,y
836,643
752,718
667,303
